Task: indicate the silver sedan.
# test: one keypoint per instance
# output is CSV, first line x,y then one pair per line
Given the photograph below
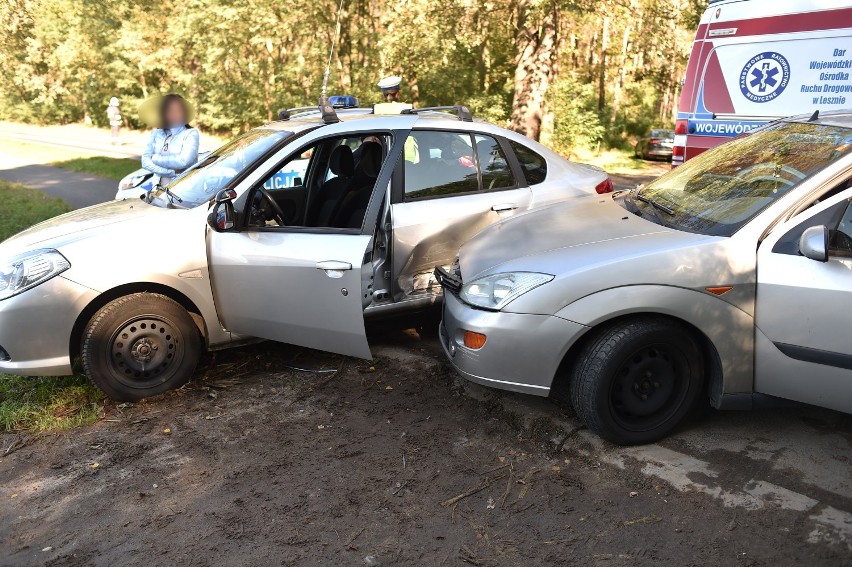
x,y
725,279
293,232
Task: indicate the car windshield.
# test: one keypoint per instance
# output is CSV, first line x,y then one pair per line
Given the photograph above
x,y
202,181
719,191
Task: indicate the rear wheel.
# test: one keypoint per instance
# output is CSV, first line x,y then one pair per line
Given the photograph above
x,y
140,345
637,380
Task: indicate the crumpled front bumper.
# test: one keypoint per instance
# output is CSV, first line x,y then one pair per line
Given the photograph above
x,y
522,352
36,325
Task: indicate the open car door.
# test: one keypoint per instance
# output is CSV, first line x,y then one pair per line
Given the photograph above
x,y
298,288
305,285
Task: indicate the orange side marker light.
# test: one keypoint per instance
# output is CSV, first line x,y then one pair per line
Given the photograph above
x,y
474,340
719,290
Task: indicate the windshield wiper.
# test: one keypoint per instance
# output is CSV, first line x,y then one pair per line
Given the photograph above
x,y
172,196
655,204
656,208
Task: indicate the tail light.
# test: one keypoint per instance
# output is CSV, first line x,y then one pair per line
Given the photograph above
x,y
680,127
604,186
654,141
678,151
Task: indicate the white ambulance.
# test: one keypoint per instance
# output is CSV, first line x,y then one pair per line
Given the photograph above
x,y
757,60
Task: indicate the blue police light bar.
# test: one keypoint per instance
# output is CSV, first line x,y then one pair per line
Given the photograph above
x,y
343,101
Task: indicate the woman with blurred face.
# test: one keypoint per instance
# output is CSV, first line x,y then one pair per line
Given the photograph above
x,y
173,146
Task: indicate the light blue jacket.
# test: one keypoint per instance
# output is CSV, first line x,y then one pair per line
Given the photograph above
x,y
166,162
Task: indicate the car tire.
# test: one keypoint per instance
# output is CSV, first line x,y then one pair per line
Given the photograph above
x,y
636,380
140,345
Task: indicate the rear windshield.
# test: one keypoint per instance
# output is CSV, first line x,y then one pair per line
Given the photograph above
x,y
663,134
719,191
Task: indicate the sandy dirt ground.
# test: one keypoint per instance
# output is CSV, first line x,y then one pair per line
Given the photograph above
x,y
399,462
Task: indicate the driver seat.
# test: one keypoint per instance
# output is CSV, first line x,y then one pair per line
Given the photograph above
x,y
353,206
342,165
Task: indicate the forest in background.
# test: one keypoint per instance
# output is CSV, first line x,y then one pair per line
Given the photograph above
x,y
569,72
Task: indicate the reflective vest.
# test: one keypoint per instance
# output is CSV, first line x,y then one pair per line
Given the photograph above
x,y
390,107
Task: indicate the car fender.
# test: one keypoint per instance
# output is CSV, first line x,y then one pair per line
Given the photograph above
x,y
130,255
729,329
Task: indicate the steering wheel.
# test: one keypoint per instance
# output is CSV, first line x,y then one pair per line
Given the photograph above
x,y
277,213
785,168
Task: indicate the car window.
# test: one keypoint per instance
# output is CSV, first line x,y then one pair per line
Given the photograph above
x,y
438,164
719,191
533,165
496,173
326,184
840,243
291,174
663,134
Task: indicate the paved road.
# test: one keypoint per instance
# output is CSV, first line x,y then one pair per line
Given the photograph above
x,y
86,139
77,189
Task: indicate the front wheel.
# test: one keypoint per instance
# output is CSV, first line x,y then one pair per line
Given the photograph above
x,y
635,381
140,345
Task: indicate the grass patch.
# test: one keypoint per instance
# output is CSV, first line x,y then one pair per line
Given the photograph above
x,y
68,158
110,168
39,404
49,403
618,162
24,207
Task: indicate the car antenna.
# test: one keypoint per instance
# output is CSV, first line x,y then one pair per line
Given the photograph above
x,y
814,117
327,111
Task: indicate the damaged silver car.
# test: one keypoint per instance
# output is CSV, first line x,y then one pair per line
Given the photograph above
x,y
294,232
723,280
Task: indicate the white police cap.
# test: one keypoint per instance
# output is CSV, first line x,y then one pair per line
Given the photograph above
x,y
390,83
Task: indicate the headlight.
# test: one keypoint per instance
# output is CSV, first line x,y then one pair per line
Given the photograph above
x,y
29,270
497,291
133,181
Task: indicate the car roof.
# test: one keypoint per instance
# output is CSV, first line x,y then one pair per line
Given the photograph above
x,y
424,118
841,118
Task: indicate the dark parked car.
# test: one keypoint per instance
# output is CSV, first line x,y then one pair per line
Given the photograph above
x,y
655,145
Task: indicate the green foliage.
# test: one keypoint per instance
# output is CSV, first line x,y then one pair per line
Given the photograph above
x,y
576,123
111,168
24,207
239,61
47,403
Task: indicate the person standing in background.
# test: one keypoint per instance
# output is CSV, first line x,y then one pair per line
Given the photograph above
x,y
391,105
390,94
173,145
114,116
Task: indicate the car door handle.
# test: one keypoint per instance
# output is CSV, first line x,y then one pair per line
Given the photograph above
x,y
334,268
504,207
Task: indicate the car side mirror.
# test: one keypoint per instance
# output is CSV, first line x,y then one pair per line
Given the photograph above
x,y
222,217
813,243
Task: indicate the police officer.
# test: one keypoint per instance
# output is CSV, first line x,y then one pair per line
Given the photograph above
x,y
390,94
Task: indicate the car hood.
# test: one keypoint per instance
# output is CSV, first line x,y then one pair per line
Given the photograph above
x,y
579,222
77,225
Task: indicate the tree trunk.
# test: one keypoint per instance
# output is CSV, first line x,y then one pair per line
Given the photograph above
x,y
536,46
